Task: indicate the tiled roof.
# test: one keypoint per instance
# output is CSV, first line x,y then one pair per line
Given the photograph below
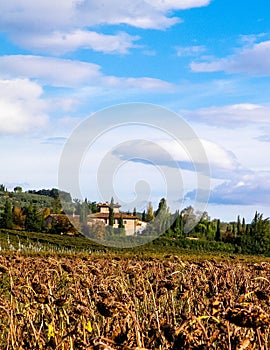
x,y
107,204
116,216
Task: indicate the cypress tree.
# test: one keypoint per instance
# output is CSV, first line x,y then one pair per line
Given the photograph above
x,y
233,230
143,216
84,211
243,225
121,222
150,213
6,221
238,225
177,225
111,212
218,232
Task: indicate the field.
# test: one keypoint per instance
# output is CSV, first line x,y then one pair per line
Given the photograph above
x,y
121,301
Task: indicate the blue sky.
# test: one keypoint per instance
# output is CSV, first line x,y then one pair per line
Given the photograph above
x,y
207,60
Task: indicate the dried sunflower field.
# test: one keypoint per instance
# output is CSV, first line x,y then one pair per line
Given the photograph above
x,y
94,302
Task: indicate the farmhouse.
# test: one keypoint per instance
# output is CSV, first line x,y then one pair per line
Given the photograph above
x,y
132,223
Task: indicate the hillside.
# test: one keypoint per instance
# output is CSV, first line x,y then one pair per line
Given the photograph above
x,y
44,212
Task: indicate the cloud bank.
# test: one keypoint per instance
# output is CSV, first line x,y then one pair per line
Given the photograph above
x,y
254,60
63,25
21,107
70,73
237,115
223,163
238,185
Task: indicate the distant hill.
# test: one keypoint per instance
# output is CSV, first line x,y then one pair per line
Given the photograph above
x,y
42,198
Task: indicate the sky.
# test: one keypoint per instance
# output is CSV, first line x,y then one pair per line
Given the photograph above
x,y
208,61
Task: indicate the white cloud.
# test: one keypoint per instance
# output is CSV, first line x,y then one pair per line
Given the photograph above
x,y
177,4
250,189
223,163
189,50
21,106
226,116
254,60
58,42
220,160
58,140
30,16
79,14
17,16
138,83
67,73
50,71
250,39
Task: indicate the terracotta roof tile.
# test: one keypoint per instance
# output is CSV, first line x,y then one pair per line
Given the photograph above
x,y
106,216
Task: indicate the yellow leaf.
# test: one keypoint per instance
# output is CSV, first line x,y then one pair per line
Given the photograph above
x,y
203,317
50,331
248,294
88,327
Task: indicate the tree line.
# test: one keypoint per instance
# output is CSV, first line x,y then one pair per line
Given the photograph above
x,y
251,238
